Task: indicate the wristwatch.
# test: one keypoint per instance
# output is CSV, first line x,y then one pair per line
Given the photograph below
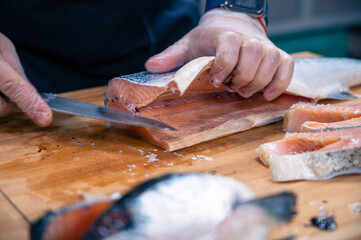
x,y
256,8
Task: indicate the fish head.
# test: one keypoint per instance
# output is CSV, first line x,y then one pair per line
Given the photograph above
x,y
197,206
175,206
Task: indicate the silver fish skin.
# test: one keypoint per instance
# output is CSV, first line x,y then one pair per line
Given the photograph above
x,y
310,129
316,165
193,206
317,78
322,78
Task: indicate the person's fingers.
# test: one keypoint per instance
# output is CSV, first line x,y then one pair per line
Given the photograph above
x,y
227,51
174,56
264,74
8,53
24,95
250,57
281,79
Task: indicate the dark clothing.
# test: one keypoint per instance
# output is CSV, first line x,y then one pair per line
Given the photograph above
x,y
65,45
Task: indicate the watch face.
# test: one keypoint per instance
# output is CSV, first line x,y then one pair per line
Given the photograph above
x,y
256,7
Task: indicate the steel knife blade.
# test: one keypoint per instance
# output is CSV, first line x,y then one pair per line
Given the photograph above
x,y
70,106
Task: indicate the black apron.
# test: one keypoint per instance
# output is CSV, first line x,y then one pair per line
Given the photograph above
x,y
66,45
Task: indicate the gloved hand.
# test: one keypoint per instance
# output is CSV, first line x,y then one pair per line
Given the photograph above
x,y
244,57
15,85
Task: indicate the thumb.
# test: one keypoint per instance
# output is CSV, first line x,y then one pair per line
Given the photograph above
x,y
171,58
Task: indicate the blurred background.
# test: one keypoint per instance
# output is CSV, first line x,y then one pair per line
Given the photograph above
x,y
326,27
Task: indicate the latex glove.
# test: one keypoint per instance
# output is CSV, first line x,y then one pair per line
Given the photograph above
x,y
245,58
15,85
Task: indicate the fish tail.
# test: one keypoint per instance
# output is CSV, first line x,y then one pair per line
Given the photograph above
x,y
279,206
341,95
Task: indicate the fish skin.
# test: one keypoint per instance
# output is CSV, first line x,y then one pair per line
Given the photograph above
x,y
144,78
332,77
197,206
316,165
322,78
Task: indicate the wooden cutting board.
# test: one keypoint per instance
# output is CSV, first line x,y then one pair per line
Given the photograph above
x,y
76,158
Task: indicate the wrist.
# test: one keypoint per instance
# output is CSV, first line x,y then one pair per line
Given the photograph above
x,y
263,23
255,8
259,22
258,9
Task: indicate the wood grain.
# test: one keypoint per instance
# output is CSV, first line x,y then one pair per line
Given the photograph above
x,y
47,168
12,224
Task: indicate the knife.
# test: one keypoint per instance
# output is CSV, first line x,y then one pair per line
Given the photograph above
x,y
66,105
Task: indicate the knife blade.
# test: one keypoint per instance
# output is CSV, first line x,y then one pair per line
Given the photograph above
x,y
70,106
66,105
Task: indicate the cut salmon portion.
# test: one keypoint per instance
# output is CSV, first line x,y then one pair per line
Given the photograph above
x,y
314,155
300,113
188,101
311,126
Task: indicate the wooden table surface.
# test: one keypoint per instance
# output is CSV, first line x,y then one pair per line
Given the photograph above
x,y
76,157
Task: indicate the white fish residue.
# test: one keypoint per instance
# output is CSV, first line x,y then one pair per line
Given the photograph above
x,y
323,208
202,157
178,154
355,208
152,157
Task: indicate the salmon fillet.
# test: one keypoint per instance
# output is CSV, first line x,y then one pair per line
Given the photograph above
x,y
314,155
300,113
188,101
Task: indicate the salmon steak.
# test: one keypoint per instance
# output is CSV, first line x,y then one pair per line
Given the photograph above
x,y
307,117
313,155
